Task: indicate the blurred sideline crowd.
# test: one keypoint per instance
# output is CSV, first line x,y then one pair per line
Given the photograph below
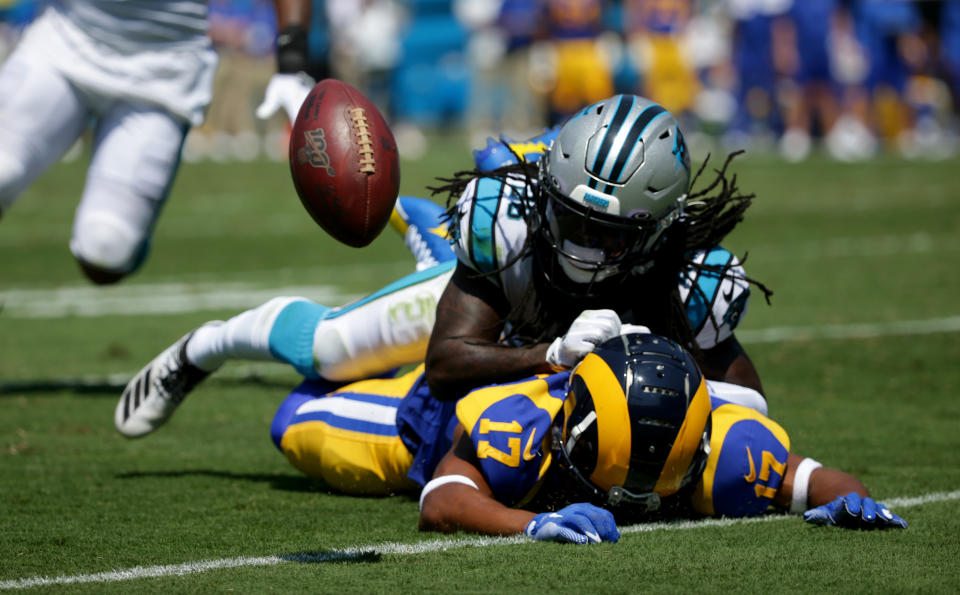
x,y
851,78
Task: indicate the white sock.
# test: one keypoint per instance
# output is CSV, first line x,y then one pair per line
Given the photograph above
x,y
244,337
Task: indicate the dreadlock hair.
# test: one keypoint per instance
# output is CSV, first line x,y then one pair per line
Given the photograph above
x,y
709,219
651,295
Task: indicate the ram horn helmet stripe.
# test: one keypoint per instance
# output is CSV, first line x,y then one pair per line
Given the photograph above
x,y
613,422
687,444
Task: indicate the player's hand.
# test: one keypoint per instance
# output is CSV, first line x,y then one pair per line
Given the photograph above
x,y
590,329
630,329
577,523
285,91
853,512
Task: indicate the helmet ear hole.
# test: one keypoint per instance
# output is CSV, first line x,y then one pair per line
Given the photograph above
x,y
665,134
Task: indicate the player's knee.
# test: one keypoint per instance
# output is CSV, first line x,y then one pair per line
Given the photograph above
x,y
107,247
13,173
330,356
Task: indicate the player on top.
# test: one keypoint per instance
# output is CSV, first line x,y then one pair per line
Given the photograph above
x,y
142,71
676,280
602,230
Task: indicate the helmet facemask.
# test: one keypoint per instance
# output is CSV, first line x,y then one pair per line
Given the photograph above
x,y
592,246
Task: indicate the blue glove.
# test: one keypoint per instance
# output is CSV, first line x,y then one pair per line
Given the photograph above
x,y
577,523
853,512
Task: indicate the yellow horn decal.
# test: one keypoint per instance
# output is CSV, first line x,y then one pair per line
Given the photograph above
x,y
613,422
686,444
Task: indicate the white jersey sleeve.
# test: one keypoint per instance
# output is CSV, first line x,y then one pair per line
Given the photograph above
x,y
714,297
738,395
489,234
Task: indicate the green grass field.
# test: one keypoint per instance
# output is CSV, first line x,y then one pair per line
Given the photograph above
x,y
858,352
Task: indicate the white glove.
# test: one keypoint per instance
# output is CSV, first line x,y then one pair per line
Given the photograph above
x,y
629,329
285,91
590,329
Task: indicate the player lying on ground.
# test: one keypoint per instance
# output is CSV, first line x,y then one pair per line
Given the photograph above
x,y
391,328
634,432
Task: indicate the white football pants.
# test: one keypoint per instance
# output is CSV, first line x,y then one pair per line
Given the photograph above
x,y
136,151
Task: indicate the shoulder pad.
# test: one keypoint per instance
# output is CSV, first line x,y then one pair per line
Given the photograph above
x,y
715,294
509,427
488,225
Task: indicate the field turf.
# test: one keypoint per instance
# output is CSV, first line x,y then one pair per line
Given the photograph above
x,y
858,352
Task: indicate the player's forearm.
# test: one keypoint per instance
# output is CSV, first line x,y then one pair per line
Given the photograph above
x,y
464,351
826,484
292,13
293,20
822,485
455,366
728,362
462,508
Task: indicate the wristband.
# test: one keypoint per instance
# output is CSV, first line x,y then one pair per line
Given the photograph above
x,y
292,50
444,480
801,481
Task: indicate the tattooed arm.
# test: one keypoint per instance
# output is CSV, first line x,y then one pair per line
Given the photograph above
x,y
464,352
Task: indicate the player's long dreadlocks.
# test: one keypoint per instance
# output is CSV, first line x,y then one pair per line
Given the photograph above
x,y
653,296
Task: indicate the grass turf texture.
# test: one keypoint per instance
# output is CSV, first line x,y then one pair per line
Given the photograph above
x,y
840,244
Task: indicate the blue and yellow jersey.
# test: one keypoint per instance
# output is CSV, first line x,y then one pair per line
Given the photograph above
x,y
387,435
509,426
748,457
574,19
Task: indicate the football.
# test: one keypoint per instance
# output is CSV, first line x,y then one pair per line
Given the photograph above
x,y
344,163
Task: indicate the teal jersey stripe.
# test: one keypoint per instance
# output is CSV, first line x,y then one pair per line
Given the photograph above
x,y
482,234
402,283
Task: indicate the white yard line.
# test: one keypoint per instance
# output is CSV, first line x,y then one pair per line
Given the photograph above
x,y
869,330
880,246
154,299
402,549
246,370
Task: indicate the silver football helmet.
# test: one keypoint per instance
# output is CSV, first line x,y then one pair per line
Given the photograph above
x,y
614,180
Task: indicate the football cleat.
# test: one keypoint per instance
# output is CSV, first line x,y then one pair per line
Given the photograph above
x,y
152,396
420,222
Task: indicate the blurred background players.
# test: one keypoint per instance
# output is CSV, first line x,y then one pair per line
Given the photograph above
x,y
654,31
582,72
141,73
852,78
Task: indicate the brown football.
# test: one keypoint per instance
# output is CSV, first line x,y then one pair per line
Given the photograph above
x,y
344,163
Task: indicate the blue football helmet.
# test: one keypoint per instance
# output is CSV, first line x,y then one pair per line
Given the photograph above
x,y
636,423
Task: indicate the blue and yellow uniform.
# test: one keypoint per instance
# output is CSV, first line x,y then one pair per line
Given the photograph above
x,y
387,435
